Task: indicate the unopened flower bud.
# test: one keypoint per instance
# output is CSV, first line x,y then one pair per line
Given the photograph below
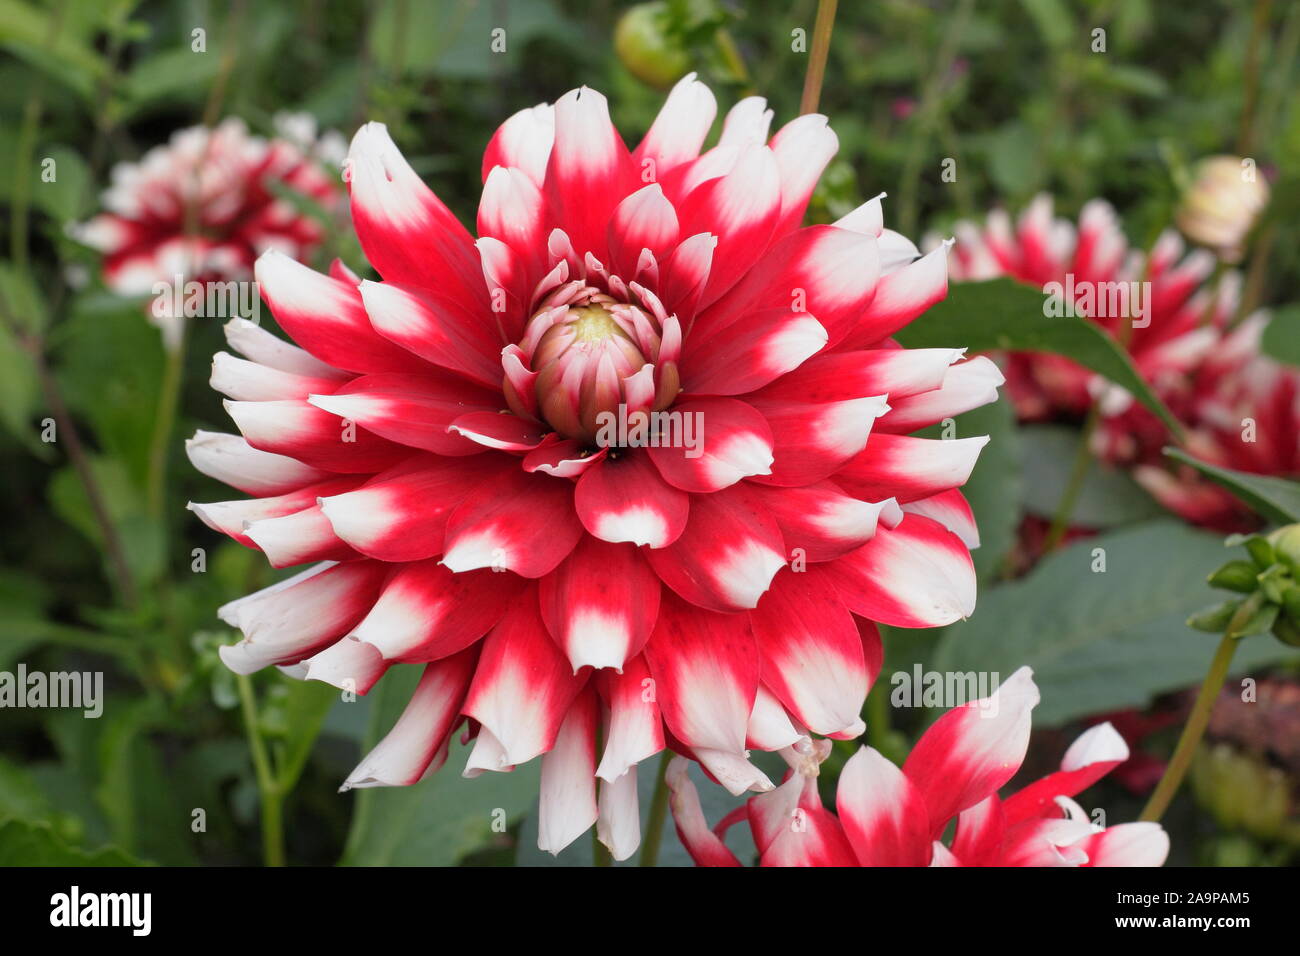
x,y
1220,208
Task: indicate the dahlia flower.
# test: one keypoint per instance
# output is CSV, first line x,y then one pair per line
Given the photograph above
x,y
435,447
204,205
1240,409
1180,314
886,816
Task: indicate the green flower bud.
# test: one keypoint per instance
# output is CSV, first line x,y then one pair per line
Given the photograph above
x,y
1287,631
1286,546
1236,575
1214,619
645,46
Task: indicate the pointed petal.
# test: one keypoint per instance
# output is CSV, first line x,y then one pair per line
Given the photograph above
x,y
712,443
884,815
567,806
625,499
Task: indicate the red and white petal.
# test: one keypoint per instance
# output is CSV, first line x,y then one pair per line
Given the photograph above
x,y
686,274
728,554
968,385
1097,751
679,130
644,220
517,521
296,618
770,727
907,468
634,731
298,538
589,171
722,441
953,511
811,653
417,744
435,328
813,441
406,232
803,147
325,316
567,805
258,345
500,431
1127,844
412,410
741,208
522,689
748,355
805,834
513,210
564,458
625,499
248,381
232,517
827,272
900,297
980,833
347,664
600,604
524,142
883,813
705,670
232,460
918,574
618,825
300,430
426,612
842,376
402,514
822,521
972,750
705,847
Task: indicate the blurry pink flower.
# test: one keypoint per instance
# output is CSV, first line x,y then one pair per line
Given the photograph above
x,y
891,817
436,449
204,206
1209,374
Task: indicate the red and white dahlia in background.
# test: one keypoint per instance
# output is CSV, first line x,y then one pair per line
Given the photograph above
x,y
204,207
1211,375
432,448
1037,249
891,817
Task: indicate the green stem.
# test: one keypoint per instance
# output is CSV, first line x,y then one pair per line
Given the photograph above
x,y
1078,472
1199,718
269,792
654,831
821,48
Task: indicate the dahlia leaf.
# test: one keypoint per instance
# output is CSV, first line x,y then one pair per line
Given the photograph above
x,y
1101,640
1274,499
1005,314
1108,497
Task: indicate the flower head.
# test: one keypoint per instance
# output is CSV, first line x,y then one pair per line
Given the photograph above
x,y
1220,207
887,816
438,446
205,205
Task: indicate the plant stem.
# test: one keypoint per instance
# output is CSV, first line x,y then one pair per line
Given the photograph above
x,y
1078,472
270,794
654,831
1199,718
1250,80
821,48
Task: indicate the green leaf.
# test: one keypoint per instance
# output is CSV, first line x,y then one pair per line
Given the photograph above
x,y
26,31
68,197
1274,499
1005,314
1282,335
1108,497
36,844
1101,641
438,821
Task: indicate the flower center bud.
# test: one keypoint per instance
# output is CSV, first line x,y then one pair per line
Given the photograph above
x,y
583,359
